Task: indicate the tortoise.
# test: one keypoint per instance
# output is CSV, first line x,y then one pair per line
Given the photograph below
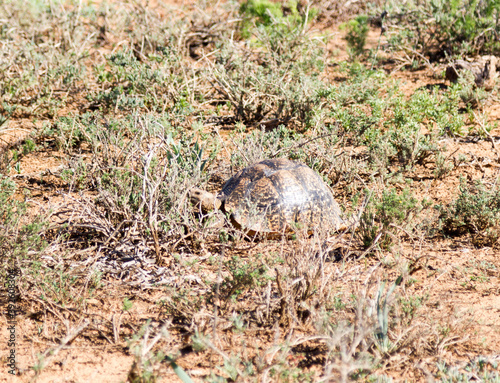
x,y
274,196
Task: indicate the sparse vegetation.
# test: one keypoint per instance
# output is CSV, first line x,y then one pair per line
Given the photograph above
x,y
476,211
111,112
385,216
459,27
18,236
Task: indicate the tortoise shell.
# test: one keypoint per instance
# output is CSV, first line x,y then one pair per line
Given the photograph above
x,y
277,195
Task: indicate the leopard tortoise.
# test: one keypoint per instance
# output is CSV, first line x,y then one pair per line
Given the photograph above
x,y
274,196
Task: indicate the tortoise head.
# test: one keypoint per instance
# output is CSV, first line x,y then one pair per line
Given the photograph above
x,y
204,200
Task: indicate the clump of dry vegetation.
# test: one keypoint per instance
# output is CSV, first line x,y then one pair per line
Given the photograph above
x,y
123,107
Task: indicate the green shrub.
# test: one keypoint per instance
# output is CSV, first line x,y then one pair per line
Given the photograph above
x,y
386,215
244,275
17,236
357,30
135,181
128,83
263,11
476,211
438,27
373,112
281,83
272,15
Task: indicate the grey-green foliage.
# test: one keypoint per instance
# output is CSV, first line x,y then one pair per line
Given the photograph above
x,y
56,285
438,27
384,216
280,82
47,64
396,128
481,368
466,90
153,83
475,211
17,235
268,14
383,306
259,145
47,50
141,167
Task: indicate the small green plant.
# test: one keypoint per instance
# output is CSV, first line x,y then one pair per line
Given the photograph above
x,y
409,306
239,325
188,153
130,84
443,166
28,146
263,12
199,341
383,305
386,215
70,132
127,304
476,211
244,275
272,15
357,30
57,286
4,117
146,365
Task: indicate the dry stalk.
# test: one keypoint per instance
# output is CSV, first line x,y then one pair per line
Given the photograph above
x,y
49,354
481,124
